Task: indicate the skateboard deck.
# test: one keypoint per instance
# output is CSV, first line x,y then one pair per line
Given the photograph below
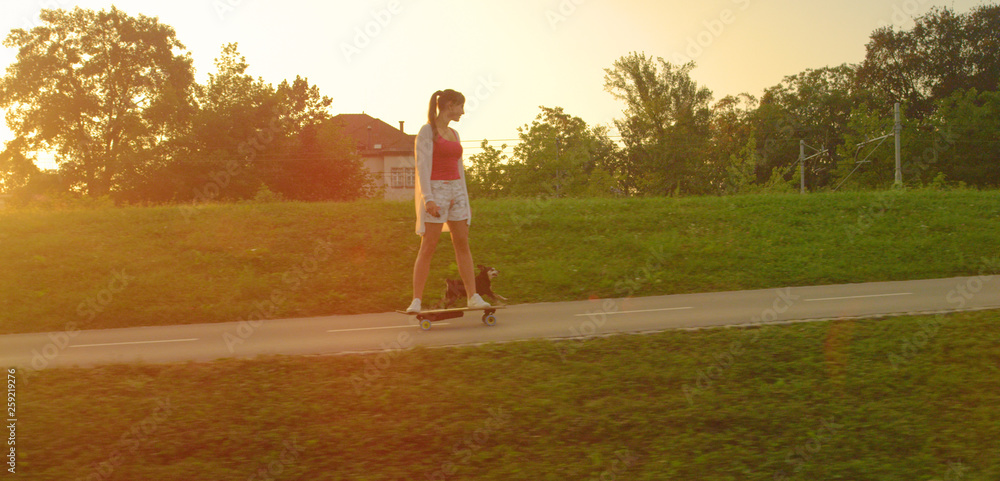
x,y
427,317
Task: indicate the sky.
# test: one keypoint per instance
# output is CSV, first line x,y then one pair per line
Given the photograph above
x,y
509,57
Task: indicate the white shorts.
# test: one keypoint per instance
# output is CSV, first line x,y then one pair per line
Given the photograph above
x,y
450,197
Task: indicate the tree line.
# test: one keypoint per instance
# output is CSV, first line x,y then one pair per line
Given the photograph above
x,y
674,140
115,99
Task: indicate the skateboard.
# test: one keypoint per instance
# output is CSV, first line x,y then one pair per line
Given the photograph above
x,y
427,317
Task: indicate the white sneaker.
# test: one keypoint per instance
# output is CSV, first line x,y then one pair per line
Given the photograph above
x,y
414,306
477,302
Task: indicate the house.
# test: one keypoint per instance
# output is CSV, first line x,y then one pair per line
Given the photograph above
x,y
387,152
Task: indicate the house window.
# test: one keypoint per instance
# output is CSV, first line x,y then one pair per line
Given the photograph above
x,y
402,177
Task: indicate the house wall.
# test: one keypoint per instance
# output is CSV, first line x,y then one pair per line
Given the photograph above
x,y
382,168
375,167
399,162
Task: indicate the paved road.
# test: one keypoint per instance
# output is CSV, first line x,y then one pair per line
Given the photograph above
x,y
374,332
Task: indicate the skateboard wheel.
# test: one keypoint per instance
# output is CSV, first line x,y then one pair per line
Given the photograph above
x,y
489,319
425,324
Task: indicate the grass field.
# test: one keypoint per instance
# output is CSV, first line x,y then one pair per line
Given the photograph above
x,y
898,399
109,267
903,398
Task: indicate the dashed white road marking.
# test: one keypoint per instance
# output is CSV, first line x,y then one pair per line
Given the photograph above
x,y
637,311
133,342
860,297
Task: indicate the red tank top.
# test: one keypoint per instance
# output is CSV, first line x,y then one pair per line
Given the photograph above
x,y
446,155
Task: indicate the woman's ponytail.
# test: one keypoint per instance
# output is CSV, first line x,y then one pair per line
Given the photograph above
x,y
432,113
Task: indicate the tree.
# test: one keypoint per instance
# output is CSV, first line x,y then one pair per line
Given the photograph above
x,y
101,89
605,165
558,154
303,104
732,131
666,125
319,163
311,159
862,161
955,143
741,170
232,139
974,118
16,169
814,106
487,171
943,53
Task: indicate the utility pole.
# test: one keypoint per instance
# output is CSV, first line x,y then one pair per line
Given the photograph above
x,y
802,166
802,162
898,129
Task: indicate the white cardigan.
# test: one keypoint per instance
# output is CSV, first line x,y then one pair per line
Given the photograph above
x,y
424,152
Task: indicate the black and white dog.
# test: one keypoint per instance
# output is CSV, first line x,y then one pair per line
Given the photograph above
x,y
455,289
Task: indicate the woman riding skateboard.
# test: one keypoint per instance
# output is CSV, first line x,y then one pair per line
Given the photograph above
x,y
442,199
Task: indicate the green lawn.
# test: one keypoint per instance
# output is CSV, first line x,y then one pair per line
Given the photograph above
x,y
117,267
905,398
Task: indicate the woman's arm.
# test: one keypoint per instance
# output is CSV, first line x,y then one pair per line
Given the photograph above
x,y
424,161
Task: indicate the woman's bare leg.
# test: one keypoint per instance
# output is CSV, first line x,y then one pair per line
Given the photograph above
x,y
463,254
422,266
